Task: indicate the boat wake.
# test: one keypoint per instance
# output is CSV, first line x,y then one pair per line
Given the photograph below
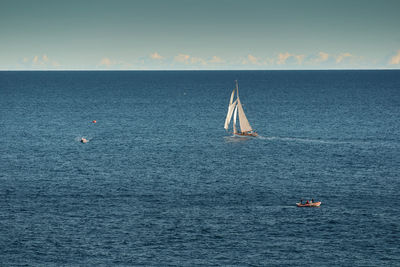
x,y
296,139
359,142
235,138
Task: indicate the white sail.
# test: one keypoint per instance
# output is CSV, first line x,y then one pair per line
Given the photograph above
x,y
229,115
230,110
232,95
244,123
234,119
234,108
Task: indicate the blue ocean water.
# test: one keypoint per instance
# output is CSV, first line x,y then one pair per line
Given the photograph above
x,y
160,182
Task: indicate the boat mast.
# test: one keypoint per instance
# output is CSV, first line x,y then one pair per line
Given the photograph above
x,y
234,119
238,100
237,90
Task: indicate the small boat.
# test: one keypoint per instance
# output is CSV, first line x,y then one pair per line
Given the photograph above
x,y
310,204
235,108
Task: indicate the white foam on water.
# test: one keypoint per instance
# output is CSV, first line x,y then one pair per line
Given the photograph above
x,y
235,138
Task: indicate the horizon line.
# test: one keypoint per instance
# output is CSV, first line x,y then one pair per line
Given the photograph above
x,y
198,69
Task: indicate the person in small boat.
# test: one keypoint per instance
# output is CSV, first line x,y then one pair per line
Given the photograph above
x,y
312,200
301,201
307,202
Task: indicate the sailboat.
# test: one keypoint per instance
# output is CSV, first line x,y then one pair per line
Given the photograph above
x,y
235,108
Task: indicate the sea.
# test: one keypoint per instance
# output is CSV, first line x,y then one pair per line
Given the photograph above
x,y
161,183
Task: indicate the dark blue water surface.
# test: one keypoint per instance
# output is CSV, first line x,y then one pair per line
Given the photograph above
x,y
161,183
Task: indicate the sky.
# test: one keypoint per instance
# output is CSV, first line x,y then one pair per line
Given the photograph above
x,y
199,35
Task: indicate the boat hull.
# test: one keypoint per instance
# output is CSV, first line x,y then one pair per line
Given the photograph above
x,y
309,205
253,134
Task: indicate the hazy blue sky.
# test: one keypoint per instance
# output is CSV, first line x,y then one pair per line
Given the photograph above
x,y
217,34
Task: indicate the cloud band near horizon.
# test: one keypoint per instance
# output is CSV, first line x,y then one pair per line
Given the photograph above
x,y
156,60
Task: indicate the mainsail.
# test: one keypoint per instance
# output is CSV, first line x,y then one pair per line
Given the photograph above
x,y
244,123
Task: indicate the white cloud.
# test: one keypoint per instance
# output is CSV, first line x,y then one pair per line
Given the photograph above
x,y
189,60
182,58
156,55
317,58
323,56
40,62
216,59
299,58
270,61
395,59
252,59
106,62
283,57
198,60
56,64
343,56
